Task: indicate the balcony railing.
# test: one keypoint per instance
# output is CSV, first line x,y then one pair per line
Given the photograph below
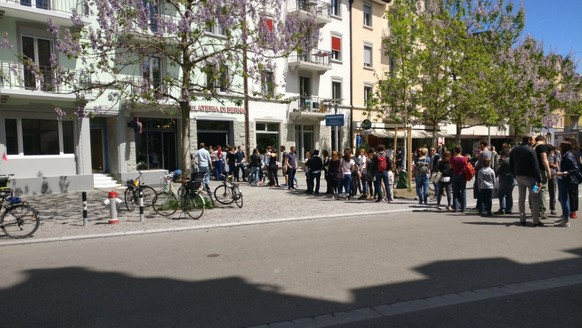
x,y
319,11
318,60
17,76
313,105
62,6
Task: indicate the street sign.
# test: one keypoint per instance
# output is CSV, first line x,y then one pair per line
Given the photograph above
x,y
334,120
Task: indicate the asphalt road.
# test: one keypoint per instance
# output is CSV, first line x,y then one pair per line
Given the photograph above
x,y
296,273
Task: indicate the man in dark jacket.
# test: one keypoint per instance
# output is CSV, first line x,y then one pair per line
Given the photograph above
x,y
315,164
524,167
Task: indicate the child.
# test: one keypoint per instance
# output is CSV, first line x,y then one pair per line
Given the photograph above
x,y
486,184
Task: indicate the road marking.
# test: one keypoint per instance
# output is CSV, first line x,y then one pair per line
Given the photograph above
x,y
386,310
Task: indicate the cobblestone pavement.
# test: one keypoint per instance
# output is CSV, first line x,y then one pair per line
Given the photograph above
x,y
62,214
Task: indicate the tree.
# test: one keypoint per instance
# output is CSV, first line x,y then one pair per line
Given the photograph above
x,y
209,46
451,50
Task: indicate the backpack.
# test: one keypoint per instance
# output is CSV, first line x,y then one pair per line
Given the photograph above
x,y
421,168
469,171
382,163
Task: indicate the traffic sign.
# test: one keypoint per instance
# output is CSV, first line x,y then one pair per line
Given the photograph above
x,y
334,120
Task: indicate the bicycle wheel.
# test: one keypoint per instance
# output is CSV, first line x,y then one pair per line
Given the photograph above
x,y
223,195
19,221
193,205
149,194
238,197
129,199
165,204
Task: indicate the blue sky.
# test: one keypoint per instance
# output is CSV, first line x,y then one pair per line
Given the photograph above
x,y
558,23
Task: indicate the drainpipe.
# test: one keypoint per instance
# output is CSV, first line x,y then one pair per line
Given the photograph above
x,y
351,79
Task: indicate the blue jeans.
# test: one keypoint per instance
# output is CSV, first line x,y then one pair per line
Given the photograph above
x,y
459,192
486,196
422,187
383,177
206,171
346,182
563,197
505,194
255,174
291,176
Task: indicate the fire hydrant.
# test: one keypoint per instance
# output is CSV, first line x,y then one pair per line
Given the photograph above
x,y
112,201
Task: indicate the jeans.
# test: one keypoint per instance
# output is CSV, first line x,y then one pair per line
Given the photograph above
x,y
552,190
459,192
563,196
422,187
206,171
505,194
255,174
444,186
486,196
346,183
382,177
543,194
290,177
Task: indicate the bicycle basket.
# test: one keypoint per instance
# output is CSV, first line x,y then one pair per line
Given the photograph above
x,y
193,185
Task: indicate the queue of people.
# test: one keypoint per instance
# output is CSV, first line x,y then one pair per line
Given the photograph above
x,y
542,172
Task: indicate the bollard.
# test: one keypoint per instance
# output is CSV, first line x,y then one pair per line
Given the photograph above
x,y
84,198
140,197
112,197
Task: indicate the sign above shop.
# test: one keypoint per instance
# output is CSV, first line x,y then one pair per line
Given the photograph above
x,y
334,120
366,124
218,109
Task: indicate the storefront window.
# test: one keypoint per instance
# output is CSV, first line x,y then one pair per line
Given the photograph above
x,y
39,137
267,135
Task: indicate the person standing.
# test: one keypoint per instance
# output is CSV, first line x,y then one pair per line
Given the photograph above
x,y
435,157
363,160
444,167
284,153
256,163
526,170
291,164
315,164
421,174
484,153
486,185
273,168
554,162
204,164
568,165
231,161
382,164
506,185
542,151
240,164
459,184
574,191
334,172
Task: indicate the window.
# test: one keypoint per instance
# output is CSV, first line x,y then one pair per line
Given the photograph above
x,y
40,4
336,48
217,78
267,134
152,7
392,63
367,15
335,7
268,84
39,137
336,92
152,72
368,95
38,51
213,27
367,55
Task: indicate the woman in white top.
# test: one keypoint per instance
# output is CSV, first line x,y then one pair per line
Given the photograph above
x,y
347,165
362,159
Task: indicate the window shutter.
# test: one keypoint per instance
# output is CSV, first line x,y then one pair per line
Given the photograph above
x,y
269,23
336,43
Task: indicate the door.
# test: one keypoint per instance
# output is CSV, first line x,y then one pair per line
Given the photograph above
x,y
97,150
38,51
305,92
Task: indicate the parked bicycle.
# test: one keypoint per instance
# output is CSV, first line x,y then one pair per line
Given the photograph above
x,y
187,198
229,192
132,191
18,220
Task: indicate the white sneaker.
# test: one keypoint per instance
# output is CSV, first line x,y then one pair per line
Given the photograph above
x,y
557,221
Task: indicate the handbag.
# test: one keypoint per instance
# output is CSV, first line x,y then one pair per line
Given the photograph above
x,y
575,178
445,179
435,177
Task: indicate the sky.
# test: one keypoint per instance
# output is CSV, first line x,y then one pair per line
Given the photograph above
x,y
558,23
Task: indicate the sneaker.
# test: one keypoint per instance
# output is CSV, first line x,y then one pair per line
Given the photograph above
x,y
449,208
573,215
565,224
553,212
539,224
364,196
558,221
501,211
438,208
377,200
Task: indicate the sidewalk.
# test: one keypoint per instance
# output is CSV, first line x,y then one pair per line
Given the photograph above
x,y
62,214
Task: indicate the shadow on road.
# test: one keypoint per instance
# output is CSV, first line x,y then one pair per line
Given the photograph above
x,y
80,297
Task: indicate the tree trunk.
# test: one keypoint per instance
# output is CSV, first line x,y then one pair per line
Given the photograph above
x,y
185,139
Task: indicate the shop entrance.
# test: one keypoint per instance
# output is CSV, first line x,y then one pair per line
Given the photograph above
x,y
156,146
214,133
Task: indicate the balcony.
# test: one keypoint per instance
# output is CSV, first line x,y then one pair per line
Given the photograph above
x,y
314,61
19,81
59,11
314,108
319,11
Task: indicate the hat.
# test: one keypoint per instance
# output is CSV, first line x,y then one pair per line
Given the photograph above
x,y
316,152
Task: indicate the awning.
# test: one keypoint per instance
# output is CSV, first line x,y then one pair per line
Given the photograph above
x,y
416,134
